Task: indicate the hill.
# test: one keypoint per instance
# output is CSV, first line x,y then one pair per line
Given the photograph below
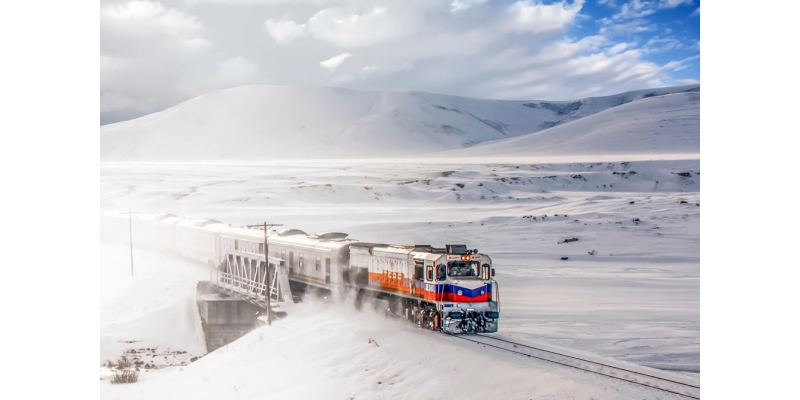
x,y
664,125
272,122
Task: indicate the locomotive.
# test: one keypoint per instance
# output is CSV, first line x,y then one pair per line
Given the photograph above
x,y
450,289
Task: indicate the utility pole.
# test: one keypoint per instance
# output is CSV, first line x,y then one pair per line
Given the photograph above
x,y
265,226
130,236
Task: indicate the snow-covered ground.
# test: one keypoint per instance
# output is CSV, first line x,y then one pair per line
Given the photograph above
x,y
152,312
637,299
511,178
324,351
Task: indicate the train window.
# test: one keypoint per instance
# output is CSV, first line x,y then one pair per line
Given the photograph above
x,y
261,248
462,269
283,255
301,260
487,271
441,272
318,264
429,273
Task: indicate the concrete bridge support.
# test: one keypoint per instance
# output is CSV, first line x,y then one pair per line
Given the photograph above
x,y
225,319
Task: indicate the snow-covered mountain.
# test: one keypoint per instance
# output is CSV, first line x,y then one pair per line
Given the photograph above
x,y
667,124
272,122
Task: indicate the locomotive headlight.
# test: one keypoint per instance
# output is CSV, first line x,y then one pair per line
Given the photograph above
x,y
465,258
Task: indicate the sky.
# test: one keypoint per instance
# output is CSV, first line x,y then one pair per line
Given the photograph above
x,y
154,55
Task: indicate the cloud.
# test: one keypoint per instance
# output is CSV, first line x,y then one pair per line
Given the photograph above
x,y
462,5
535,17
696,13
580,75
236,71
256,2
371,70
627,28
681,64
345,28
334,62
152,57
283,30
660,45
155,55
641,8
636,9
144,49
146,18
618,48
673,3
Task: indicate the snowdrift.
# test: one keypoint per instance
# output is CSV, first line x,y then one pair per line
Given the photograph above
x,y
335,352
270,122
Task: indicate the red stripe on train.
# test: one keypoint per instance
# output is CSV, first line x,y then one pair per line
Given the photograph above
x,y
453,297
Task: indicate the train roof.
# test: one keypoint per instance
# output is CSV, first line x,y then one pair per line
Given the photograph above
x,y
240,232
292,237
203,224
290,232
329,241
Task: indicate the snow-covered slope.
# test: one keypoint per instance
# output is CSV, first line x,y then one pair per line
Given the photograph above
x,y
269,122
323,350
666,124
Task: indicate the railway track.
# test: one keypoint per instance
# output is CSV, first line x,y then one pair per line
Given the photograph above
x,y
687,390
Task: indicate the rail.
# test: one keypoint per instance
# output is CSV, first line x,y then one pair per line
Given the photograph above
x,y
610,371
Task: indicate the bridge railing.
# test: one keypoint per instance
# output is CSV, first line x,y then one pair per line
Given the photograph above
x,y
240,285
244,275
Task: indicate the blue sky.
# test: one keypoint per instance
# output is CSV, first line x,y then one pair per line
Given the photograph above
x,y
156,54
675,31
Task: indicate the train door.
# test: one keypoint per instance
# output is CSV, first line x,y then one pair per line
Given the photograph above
x,y
441,276
418,278
328,271
291,263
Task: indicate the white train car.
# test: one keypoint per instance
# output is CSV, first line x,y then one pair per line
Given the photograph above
x,y
240,239
115,227
199,240
155,231
450,289
320,260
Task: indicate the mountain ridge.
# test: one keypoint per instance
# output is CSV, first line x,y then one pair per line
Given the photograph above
x,y
276,122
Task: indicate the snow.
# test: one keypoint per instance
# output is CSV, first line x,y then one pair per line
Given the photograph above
x,y
655,125
620,173
324,351
153,309
269,122
635,301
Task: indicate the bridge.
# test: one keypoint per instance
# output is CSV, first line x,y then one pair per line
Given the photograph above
x,y
236,298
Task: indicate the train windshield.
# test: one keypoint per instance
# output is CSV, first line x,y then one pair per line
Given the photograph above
x,y
463,269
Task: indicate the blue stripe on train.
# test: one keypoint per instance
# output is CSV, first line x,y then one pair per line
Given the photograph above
x,y
450,288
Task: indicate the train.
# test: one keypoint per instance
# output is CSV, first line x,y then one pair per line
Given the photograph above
x,y
451,289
